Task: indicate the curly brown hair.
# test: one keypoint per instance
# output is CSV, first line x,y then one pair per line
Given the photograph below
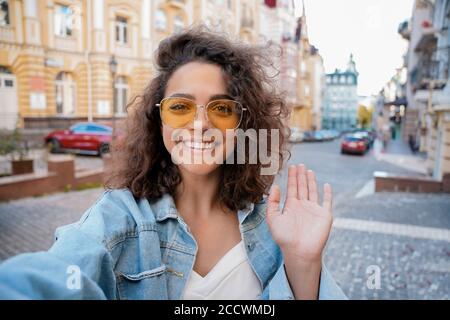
x,y
141,162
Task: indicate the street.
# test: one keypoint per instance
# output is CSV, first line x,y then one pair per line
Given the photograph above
x,y
405,236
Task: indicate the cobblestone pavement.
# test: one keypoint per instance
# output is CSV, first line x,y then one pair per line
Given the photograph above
x,y
28,225
405,235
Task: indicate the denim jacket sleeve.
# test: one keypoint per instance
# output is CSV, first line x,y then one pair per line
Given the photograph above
x,y
279,288
77,266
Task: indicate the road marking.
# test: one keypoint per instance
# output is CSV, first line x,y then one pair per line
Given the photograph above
x,y
397,229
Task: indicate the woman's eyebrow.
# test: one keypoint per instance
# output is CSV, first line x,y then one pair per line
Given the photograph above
x,y
190,96
221,96
183,95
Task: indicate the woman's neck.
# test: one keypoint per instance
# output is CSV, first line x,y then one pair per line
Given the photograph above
x,y
198,193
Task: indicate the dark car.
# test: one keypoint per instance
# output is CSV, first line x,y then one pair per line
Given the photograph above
x,y
365,136
84,138
369,135
353,143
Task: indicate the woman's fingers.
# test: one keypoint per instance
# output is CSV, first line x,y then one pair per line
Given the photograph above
x,y
312,187
327,197
302,185
292,182
302,182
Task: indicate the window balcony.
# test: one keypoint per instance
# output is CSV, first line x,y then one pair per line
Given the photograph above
x,y
432,68
404,30
6,34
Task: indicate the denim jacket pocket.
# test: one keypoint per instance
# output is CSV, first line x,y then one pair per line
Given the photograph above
x,y
146,285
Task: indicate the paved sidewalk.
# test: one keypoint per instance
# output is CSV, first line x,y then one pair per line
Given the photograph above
x,y
405,235
29,224
398,153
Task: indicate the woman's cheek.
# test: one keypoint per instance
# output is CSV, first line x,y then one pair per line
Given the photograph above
x,y
167,138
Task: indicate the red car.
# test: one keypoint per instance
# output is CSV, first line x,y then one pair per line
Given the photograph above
x,y
85,138
354,144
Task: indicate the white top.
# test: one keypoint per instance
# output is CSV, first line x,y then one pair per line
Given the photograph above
x,y
232,278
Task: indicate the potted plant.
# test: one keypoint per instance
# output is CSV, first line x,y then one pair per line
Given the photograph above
x,y
6,147
11,144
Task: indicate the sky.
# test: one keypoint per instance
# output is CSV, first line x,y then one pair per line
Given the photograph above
x,y
366,28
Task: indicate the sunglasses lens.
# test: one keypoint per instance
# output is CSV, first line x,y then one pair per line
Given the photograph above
x,y
177,112
225,114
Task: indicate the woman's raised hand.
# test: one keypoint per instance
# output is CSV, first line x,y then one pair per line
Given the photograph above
x,y
302,228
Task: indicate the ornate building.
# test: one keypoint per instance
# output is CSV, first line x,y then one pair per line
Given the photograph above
x,y
310,82
340,107
428,84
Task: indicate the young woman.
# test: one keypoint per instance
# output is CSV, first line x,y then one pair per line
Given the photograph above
x,y
168,228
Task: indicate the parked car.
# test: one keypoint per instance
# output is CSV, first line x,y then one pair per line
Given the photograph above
x,y
329,135
313,136
308,136
354,143
84,138
336,133
296,135
325,135
319,136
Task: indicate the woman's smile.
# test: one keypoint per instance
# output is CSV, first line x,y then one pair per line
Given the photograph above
x,y
196,145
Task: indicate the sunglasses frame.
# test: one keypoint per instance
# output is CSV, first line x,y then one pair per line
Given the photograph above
x,y
205,107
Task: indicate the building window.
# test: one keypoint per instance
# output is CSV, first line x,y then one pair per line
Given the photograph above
x,y
63,21
302,66
64,94
120,95
4,13
178,24
307,91
121,30
160,20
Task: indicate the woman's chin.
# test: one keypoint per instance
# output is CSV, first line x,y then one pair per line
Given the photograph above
x,y
200,169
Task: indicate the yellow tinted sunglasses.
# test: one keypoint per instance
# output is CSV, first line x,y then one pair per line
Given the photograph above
x,y
223,114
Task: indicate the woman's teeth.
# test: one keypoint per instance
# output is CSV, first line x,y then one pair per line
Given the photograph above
x,y
199,145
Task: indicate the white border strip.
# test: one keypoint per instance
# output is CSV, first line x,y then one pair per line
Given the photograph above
x,y
397,229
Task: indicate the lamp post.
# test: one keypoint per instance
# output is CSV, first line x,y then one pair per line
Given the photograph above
x,y
113,69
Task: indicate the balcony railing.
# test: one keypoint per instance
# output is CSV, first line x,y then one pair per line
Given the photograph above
x,y
436,68
6,34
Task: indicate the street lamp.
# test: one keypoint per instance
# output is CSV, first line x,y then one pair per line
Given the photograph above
x,y
113,69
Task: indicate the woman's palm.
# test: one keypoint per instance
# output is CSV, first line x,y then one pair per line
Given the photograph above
x,y
303,225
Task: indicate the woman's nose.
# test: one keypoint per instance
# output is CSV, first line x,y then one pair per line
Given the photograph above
x,y
201,119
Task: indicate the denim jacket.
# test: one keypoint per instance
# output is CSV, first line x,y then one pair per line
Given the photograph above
x,y
127,248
